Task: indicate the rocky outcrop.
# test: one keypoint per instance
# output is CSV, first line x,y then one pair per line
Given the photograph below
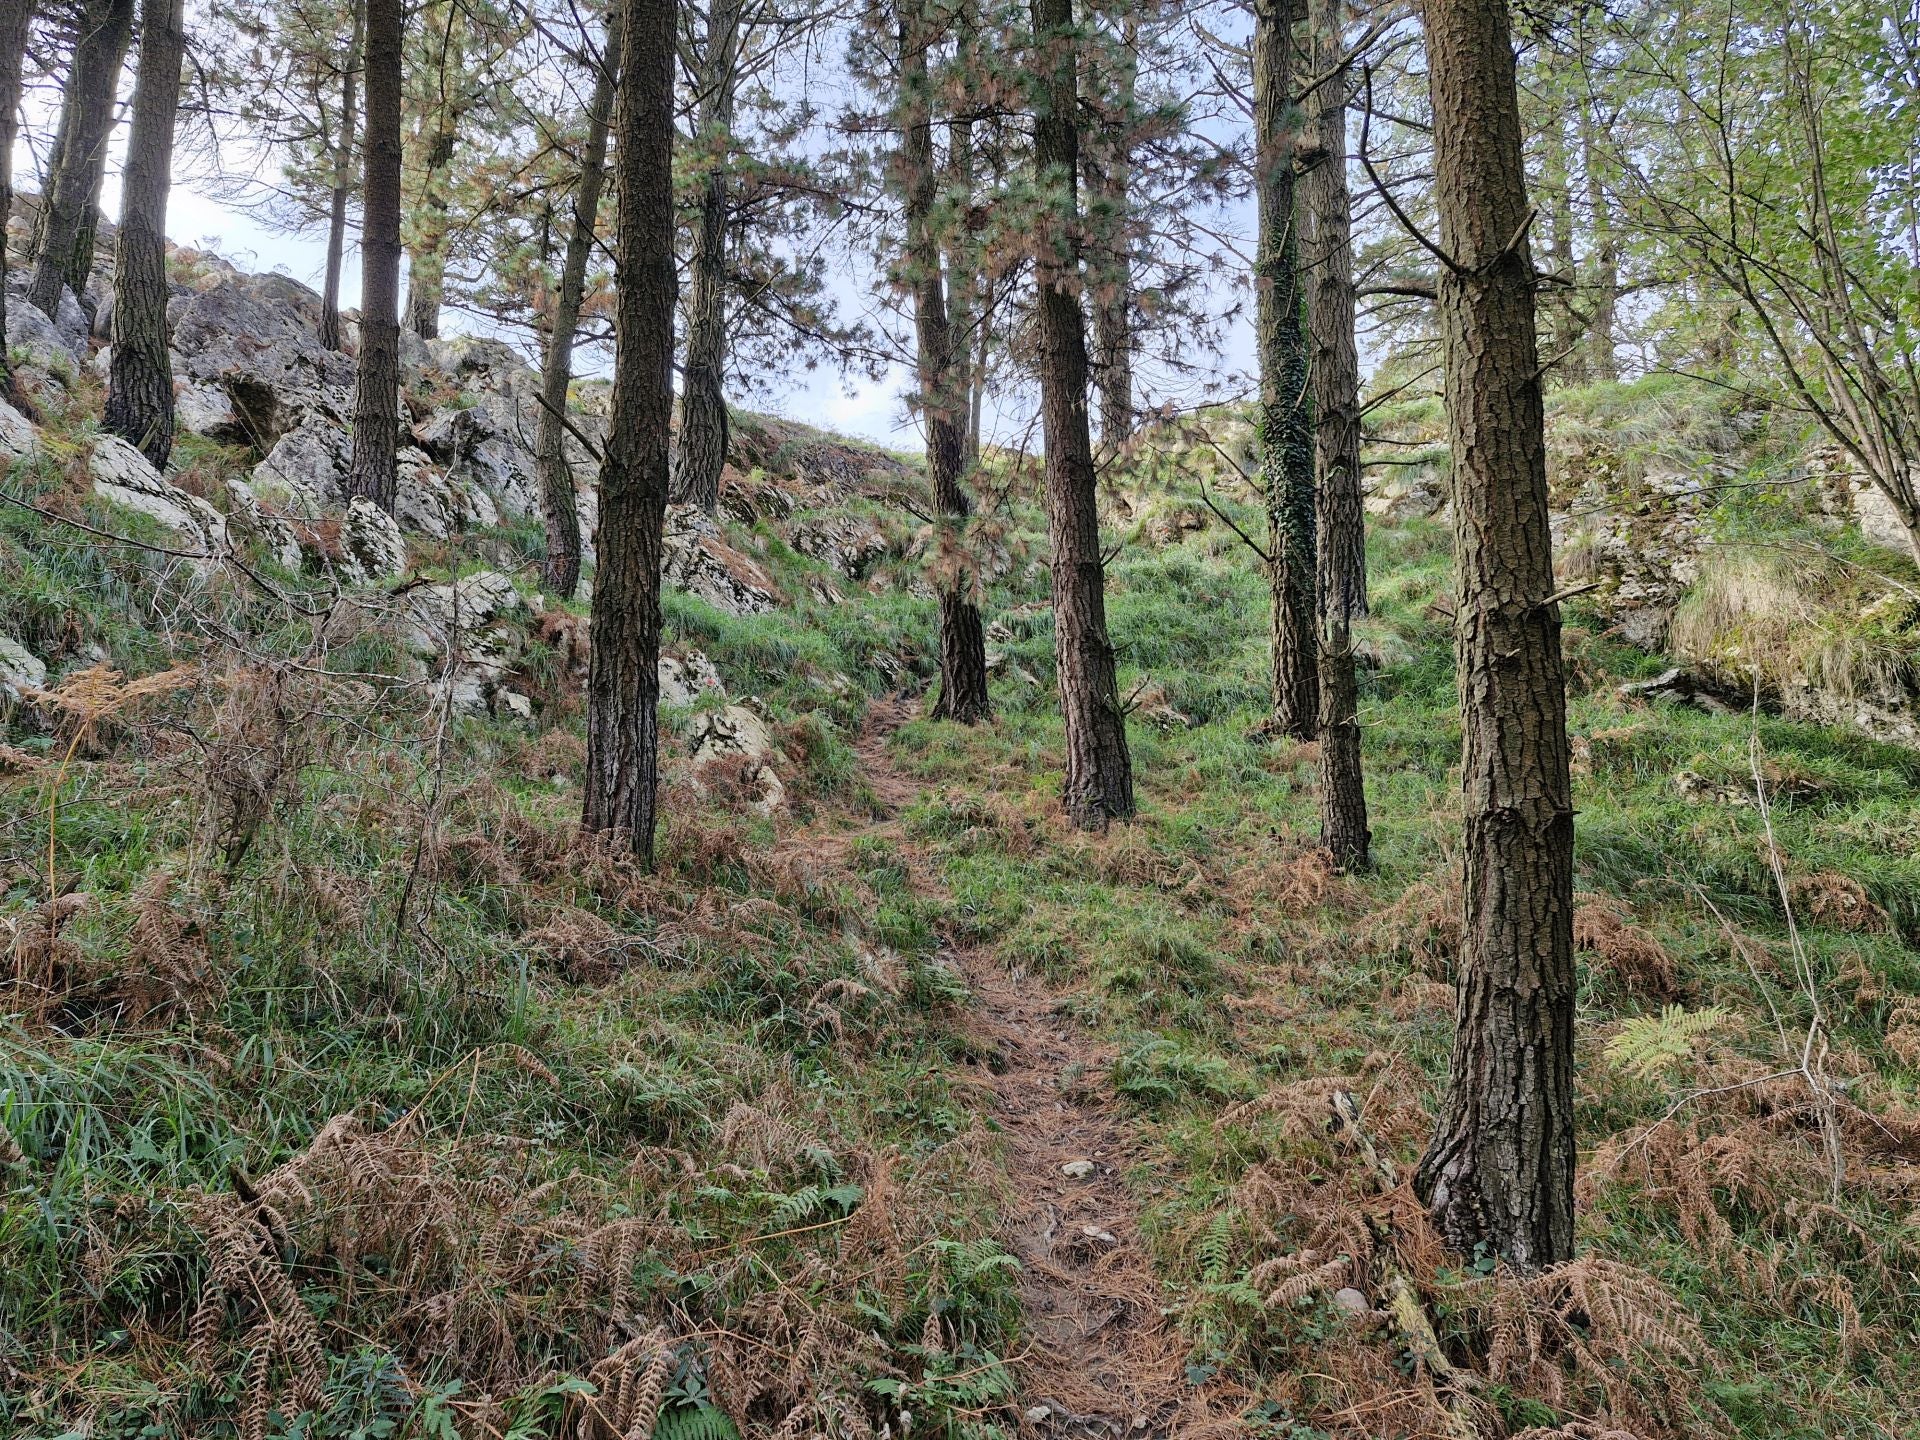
x,y
21,671
699,561
1639,545
468,632
122,475
737,733
849,543
17,436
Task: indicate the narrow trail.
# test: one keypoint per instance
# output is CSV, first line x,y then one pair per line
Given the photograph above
x,y
1101,1358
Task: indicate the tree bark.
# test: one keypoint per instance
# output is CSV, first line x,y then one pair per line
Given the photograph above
x,y
559,503
140,379
426,223
342,179
1604,266
1499,1173
13,52
623,682
963,652
964,315
1109,171
1336,409
376,399
702,453
65,256
1099,779
1286,428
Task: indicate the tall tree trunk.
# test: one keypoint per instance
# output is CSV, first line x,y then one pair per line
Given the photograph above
x,y
1568,331
963,653
13,52
427,228
623,682
66,246
703,402
1109,171
342,179
1336,409
376,398
559,504
1286,428
962,259
1499,1173
1099,781
140,381
1604,267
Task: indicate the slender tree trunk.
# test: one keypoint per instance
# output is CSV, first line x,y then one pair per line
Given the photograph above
x,y
559,504
703,402
140,381
66,253
1099,782
1336,408
963,652
427,228
1569,365
1499,1174
623,683
962,259
376,400
1286,428
13,51
1604,267
342,179
1109,171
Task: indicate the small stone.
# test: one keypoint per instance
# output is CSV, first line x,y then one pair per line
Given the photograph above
x,y
1094,1232
1077,1169
1351,1301
1039,1414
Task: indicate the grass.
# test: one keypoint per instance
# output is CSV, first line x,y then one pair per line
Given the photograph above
x,y
717,1121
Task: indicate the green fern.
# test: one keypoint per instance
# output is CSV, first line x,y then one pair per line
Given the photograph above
x,y
1651,1047
1216,1246
694,1422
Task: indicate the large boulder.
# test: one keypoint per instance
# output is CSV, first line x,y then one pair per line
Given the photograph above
x,y
21,671
305,474
468,632
17,437
697,560
486,440
57,344
1639,545
737,733
122,475
255,339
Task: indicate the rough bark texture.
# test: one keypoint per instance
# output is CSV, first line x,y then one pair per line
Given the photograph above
x,y
963,645
703,403
1336,409
65,254
140,381
1099,782
342,179
1286,428
559,504
1499,1174
1109,171
13,49
623,682
376,400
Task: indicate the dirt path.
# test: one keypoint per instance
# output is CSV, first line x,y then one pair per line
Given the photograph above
x,y
1101,1359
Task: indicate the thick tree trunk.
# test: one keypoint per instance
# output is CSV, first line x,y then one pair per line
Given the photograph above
x,y
376,399
1099,781
1499,1174
65,256
342,179
702,452
140,381
1336,408
13,51
1109,171
623,683
963,652
559,504
1286,429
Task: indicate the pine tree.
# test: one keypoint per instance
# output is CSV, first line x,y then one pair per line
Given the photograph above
x,y
623,683
1499,1173
13,52
376,402
140,381
1099,778
346,123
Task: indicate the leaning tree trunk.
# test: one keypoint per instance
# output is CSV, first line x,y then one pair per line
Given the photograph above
x,y
1499,1173
342,179
623,682
1109,172
559,504
140,381
13,52
963,652
703,402
1336,409
65,256
376,399
1099,780
1286,430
